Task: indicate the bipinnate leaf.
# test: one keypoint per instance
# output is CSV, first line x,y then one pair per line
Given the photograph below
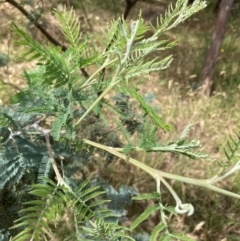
x,y
148,109
147,212
70,26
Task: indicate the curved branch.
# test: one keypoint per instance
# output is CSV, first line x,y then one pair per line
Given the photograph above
x,y
12,85
155,173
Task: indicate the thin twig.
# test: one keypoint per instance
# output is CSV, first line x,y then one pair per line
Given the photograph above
x,y
86,16
46,132
12,85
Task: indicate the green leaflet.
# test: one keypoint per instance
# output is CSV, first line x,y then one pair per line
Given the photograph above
x,y
157,229
124,132
147,196
141,68
58,124
148,109
147,212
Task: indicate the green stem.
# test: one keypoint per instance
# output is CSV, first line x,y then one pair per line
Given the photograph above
x,y
94,104
155,173
152,172
97,72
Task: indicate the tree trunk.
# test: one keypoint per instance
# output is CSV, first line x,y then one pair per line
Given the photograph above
x,y
206,75
129,5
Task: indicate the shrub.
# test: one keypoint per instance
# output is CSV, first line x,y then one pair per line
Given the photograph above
x,y
53,128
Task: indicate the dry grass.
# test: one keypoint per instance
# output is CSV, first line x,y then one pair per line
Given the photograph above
x,y
216,217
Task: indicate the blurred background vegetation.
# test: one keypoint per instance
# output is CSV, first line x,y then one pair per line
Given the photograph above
x,y
175,92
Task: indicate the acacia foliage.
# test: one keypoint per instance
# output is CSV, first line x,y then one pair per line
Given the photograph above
x,y
49,131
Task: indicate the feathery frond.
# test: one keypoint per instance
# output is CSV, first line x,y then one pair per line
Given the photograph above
x,y
70,26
